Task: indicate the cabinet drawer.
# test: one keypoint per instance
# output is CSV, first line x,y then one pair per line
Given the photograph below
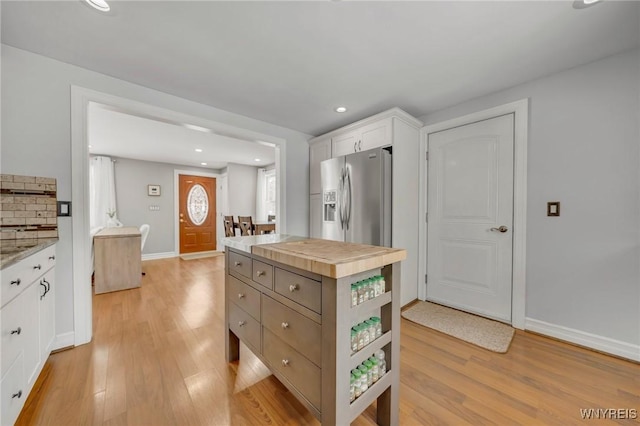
x,y
247,298
14,392
263,274
20,333
303,375
295,329
244,326
17,277
240,264
302,290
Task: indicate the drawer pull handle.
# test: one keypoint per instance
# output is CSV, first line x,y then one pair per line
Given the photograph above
x,y
241,323
17,394
261,273
285,325
52,258
16,282
16,331
240,295
293,287
237,263
285,362
38,266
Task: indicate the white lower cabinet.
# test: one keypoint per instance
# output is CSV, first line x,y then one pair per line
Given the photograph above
x,y
14,391
27,323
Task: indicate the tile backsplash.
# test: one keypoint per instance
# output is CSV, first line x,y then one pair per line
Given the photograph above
x,y
28,207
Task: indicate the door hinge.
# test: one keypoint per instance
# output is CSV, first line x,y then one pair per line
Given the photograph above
x,y
426,156
425,278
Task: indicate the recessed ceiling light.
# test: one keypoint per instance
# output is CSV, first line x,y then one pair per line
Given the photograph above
x,y
582,4
203,164
256,159
101,5
341,109
198,149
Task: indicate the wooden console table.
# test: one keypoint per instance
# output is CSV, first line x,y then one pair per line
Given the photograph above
x,y
118,263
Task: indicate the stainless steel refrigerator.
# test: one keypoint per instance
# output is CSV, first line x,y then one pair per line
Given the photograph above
x,y
356,197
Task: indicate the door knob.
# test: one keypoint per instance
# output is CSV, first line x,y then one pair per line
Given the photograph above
x,y
500,229
181,220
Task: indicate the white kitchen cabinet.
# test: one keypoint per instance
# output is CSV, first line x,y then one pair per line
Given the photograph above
x,y
365,137
27,323
319,151
315,214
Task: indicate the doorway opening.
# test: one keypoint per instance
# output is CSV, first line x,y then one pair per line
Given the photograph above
x,y
81,99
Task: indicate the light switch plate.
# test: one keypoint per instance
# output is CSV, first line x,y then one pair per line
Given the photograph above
x,y
64,208
553,208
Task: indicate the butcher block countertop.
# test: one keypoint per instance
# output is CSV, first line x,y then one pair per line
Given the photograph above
x,y
329,258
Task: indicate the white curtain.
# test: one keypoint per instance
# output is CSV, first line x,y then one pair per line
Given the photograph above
x,y
261,196
102,193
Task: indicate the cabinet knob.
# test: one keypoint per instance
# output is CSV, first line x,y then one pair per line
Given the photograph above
x,y
237,263
17,394
16,282
38,266
285,325
17,331
52,258
293,287
240,295
261,273
241,323
285,362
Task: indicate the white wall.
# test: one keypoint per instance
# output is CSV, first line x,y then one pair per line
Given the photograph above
x,y
133,200
36,135
582,267
242,181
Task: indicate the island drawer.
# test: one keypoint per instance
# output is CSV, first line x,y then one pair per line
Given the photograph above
x,y
263,274
245,297
295,329
244,326
302,290
302,374
240,264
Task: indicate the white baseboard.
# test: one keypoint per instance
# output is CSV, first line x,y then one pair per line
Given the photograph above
x,y
582,338
64,340
153,256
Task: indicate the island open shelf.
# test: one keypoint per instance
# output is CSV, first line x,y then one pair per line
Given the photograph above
x,y
290,303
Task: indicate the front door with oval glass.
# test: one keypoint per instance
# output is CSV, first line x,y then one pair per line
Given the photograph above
x,y
197,212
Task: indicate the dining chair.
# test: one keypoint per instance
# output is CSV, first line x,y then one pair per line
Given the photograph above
x,y
271,218
228,227
246,225
144,233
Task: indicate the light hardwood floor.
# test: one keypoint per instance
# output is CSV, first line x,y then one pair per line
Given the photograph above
x,y
157,358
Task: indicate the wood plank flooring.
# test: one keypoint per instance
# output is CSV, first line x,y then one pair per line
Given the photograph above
x,y
157,358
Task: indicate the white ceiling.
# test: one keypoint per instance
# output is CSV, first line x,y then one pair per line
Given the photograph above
x,y
119,134
291,63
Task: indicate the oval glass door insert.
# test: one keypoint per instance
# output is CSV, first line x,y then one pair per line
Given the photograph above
x,y
197,204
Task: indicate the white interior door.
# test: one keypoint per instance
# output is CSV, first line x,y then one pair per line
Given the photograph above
x,y
223,208
470,217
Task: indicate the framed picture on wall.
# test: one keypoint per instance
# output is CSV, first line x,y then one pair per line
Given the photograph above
x,y
153,190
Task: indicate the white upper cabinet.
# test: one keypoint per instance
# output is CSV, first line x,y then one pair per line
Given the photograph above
x,y
319,151
368,136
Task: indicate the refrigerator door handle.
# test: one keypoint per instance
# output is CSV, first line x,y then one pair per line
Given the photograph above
x,y
341,195
348,206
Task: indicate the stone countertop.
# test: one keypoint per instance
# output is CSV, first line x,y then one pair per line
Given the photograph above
x,y
246,243
13,251
329,258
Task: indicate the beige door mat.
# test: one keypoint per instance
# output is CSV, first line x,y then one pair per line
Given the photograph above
x,y
492,335
200,255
